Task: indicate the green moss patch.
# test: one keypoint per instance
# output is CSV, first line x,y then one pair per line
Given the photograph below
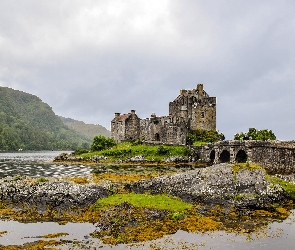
x,y
245,166
163,202
287,186
245,196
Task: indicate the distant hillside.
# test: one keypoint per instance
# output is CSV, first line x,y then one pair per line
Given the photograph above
x,y
87,130
28,123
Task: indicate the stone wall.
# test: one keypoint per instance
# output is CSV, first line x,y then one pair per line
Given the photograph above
x,y
274,156
196,108
132,126
125,127
162,129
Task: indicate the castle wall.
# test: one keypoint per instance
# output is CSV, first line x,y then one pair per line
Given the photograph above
x,y
132,127
118,130
196,108
204,114
192,109
125,127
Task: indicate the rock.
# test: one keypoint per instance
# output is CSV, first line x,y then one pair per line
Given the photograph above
x,y
64,157
126,215
57,194
138,158
97,158
177,159
216,185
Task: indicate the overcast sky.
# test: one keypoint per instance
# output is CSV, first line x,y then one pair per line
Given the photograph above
x,y
89,59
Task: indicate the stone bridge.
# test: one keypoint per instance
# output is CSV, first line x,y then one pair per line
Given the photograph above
x,y
274,156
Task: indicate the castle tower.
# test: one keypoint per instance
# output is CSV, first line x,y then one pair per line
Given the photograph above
x,y
203,110
196,108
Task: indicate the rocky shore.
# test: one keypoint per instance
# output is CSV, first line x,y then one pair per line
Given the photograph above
x,y
224,197
139,159
218,184
53,193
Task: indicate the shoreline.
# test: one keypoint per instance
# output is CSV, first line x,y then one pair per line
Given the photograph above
x,y
219,193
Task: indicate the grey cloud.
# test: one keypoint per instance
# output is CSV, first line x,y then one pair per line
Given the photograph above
x,y
88,60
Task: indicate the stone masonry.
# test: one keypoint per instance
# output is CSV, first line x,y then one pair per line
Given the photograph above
x,y
192,109
275,156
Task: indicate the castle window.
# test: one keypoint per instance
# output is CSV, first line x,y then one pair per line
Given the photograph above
x,y
157,137
203,114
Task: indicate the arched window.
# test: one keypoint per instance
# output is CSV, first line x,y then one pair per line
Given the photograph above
x,y
157,137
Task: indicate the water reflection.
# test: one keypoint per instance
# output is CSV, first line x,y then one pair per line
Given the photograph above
x,y
37,164
20,233
275,236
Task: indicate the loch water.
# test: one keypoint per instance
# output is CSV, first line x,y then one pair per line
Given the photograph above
x,y
277,235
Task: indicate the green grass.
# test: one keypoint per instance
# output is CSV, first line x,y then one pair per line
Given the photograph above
x,y
42,179
287,186
199,143
160,201
127,150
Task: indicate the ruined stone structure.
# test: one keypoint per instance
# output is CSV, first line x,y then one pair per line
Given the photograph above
x,y
274,156
192,109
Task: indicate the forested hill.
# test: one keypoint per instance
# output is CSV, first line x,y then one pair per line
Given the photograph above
x,y
87,130
28,123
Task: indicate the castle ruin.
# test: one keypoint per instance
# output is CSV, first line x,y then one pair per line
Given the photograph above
x,y
192,109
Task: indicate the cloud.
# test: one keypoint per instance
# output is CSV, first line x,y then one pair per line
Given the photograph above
x,y
91,59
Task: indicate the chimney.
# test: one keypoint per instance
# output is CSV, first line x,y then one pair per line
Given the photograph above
x,y
117,114
132,111
182,91
200,89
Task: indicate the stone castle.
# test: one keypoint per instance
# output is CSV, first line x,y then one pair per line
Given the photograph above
x,y
192,109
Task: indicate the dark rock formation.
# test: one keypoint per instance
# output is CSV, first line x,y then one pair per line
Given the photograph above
x,y
55,194
217,184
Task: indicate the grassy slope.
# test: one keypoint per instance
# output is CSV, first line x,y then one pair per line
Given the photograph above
x,y
27,122
126,150
87,130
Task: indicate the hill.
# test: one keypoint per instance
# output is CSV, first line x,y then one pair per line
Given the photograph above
x,y
28,123
87,130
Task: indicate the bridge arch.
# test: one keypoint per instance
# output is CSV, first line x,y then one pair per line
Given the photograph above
x,y
241,156
212,156
224,156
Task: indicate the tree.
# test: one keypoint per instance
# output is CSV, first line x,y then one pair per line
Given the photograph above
x,y
254,134
101,143
202,135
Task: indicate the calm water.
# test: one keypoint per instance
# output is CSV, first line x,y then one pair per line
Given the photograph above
x,y
36,164
275,236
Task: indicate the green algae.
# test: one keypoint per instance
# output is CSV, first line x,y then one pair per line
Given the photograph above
x,y
245,166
